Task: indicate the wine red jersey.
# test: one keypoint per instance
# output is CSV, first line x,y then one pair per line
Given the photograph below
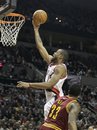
x,y
58,115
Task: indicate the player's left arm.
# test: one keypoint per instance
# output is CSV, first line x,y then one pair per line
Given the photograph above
x,y
72,117
58,73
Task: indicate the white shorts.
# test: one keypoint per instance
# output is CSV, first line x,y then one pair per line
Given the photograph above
x,y
47,107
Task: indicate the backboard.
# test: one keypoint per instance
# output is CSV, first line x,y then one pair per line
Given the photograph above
x,y
6,7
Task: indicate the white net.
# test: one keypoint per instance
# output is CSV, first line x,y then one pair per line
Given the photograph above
x,y
10,27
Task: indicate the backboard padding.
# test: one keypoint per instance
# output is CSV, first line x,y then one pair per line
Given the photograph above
x,y
7,7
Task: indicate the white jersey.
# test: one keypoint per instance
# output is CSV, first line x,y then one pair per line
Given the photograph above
x,y
57,89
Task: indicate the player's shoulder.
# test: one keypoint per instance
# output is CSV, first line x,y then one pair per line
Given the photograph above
x,y
75,106
61,66
61,69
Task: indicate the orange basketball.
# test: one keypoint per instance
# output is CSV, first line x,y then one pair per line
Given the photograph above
x,y
39,17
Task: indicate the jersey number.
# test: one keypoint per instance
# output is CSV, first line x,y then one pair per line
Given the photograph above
x,y
54,111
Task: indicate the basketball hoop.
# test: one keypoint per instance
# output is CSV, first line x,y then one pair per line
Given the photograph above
x,y
10,26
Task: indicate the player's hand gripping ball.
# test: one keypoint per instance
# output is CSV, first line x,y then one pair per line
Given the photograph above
x,y
39,17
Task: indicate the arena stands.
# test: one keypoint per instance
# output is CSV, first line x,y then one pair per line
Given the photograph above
x,y
21,109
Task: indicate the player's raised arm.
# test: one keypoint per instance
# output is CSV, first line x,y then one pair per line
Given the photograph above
x,y
40,46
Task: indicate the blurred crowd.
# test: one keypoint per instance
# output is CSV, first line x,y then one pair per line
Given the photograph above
x,y
77,64
14,64
22,109
88,114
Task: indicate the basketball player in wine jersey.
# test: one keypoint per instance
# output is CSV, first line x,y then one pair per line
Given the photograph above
x,y
64,112
56,73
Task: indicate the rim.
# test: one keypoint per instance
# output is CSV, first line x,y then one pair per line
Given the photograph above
x,y
13,15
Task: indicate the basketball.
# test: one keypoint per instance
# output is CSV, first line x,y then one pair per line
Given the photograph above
x,y
39,17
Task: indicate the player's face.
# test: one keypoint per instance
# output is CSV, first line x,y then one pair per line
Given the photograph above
x,y
56,55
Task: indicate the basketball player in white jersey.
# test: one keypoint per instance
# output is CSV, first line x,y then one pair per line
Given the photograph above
x,y
56,73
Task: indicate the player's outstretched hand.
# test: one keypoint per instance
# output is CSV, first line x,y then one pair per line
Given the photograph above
x,y
21,84
35,27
